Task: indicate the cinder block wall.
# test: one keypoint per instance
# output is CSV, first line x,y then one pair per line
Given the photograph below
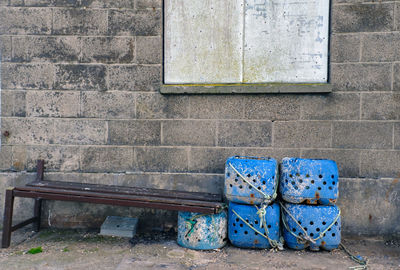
x,y
80,81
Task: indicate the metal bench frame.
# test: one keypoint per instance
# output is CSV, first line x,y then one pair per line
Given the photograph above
x,y
40,189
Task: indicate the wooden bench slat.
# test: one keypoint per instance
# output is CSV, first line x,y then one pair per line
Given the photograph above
x,y
147,192
119,202
119,196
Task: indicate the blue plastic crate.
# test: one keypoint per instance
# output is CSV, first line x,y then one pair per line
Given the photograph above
x,y
313,181
251,180
199,231
317,226
242,235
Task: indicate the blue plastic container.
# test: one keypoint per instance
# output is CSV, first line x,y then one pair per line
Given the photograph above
x,y
313,181
251,180
199,231
241,235
314,220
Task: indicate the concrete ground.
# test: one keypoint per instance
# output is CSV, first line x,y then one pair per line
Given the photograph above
x,y
72,249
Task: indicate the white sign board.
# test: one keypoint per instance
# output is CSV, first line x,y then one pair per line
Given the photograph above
x,y
246,41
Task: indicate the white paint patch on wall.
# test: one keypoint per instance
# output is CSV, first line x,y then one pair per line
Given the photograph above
x,y
286,41
246,41
203,41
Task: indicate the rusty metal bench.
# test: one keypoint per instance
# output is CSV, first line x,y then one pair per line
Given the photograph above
x,y
40,189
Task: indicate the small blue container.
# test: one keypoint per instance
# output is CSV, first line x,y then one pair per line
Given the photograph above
x,y
314,220
241,235
313,181
202,232
247,179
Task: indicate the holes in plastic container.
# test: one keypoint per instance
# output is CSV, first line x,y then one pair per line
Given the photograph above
x,y
269,226
233,224
250,187
311,222
240,186
324,183
254,181
294,229
332,176
241,225
264,182
317,229
297,174
296,188
329,229
247,220
249,175
336,223
290,175
259,188
300,234
320,176
330,188
256,222
228,174
333,183
311,234
293,183
237,219
300,181
246,232
305,228
255,233
307,187
235,231
230,185
286,181
323,223
299,222
236,180
312,181
319,188
333,234
307,175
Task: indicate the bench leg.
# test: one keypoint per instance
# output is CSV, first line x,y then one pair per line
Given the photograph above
x,y
37,213
7,222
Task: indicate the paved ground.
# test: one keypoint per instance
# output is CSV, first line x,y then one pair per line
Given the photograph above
x,y
71,249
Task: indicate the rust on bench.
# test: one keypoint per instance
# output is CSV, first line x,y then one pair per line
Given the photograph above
x,y
206,203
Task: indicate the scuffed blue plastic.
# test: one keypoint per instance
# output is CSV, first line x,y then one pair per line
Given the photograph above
x,y
314,219
313,181
241,235
209,231
261,172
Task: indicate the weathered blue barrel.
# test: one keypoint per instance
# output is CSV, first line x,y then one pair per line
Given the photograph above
x,y
251,180
200,231
311,226
251,235
313,181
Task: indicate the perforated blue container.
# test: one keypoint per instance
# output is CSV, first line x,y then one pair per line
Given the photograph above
x,y
247,179
314,220
199,231
241,235
313,181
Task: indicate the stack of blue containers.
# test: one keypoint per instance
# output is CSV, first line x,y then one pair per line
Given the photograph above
x,y
251,187
310,217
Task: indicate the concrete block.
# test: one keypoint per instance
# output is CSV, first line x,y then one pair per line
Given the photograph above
x,y
396,77
119,226
161,159
80,132
134,78
27,131
335,106
216,107
348,161
369,206
19,157
362,135
108,49
361,77
157,106
189,132
52,104
108,105
27,76
149,50
277,153
5,157
25,21
79,21
4,3
397,16
302,134
106,159
381,47
379,164
134,132
80,77
57,158
345,48
244,133
142,4
5,48
107,3
136,23
396,138
382,106
371,17
210,160
42,49
13,103
272,107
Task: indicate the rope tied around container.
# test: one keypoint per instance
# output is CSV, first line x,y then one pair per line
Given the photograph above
x,y
261,212
193,220
267,198
303,239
